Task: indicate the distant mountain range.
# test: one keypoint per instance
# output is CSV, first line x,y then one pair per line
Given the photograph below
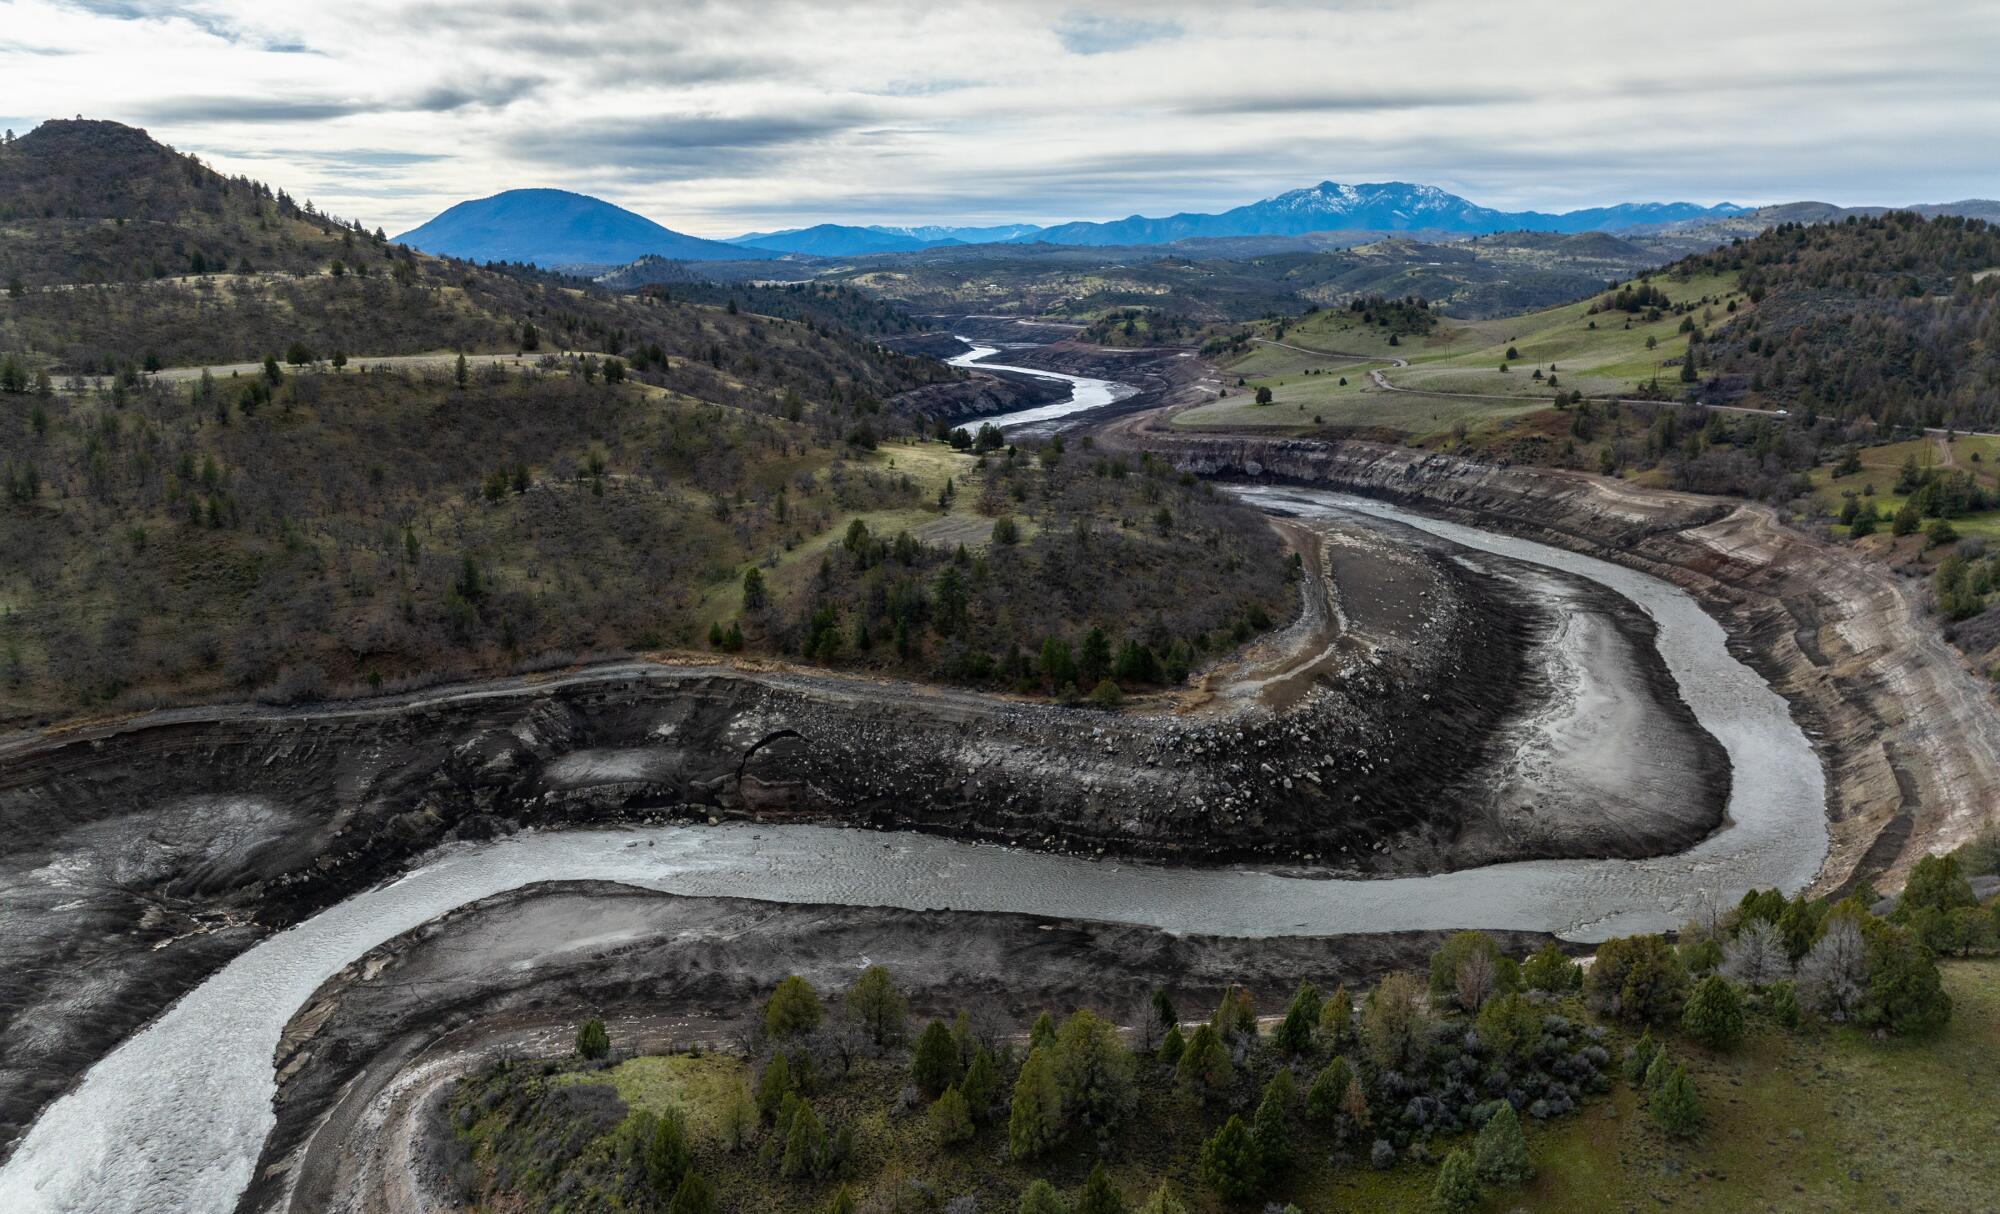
x,y
558,228
1391,206
845,240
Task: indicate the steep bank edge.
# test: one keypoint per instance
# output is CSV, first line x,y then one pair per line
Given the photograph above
x,y
1909,738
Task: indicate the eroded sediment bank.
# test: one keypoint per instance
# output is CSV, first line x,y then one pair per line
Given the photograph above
x,y
513,972
1907,735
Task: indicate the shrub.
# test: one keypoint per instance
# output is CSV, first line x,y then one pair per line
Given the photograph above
x,y
1549,970
1638,978
592,1041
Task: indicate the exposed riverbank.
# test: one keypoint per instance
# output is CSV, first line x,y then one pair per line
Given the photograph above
x,y
1908,737
1373,762
512,973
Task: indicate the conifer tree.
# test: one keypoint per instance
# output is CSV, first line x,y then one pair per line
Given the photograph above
x,y
1502,1152
1229,1161
1676,1106
1099,1195
1034,1120
1714,1013
1457,1187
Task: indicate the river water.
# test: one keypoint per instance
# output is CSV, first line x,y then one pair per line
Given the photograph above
x,y
1085,393
175,1117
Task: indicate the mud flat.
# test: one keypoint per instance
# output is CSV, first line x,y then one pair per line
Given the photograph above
x,y
1908,736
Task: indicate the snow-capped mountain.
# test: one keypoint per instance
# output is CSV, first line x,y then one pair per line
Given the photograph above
x,y
1389,206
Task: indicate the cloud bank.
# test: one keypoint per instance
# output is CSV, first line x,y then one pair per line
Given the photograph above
x,y
719,116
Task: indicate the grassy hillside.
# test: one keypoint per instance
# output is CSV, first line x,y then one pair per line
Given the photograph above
x,y
1454,367
122,255
99,202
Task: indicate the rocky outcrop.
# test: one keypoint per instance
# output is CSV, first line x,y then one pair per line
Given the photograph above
x,y
1909,736
980,394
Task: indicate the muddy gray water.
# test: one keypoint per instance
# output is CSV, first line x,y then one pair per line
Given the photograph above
x,y
174,1118
1085,393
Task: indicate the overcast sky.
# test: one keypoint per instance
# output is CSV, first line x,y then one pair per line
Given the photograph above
x,y
721,117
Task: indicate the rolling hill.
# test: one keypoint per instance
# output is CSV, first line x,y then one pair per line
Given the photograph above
x,y
557,228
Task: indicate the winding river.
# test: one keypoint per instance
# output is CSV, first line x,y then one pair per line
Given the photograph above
x,y
1085,393
175,1117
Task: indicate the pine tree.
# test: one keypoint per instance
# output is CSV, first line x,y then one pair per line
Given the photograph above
x,y
667,1157
1094,1070
950,1119
1457,1187
591,1040
793,1009
1354,1105
981,1086
805,1145
1164,1201
842,1203
1204,1066
1172,1046
1714,1014
1502,1152
773,1085
694,1196
934,1064
1336,1017
1294,1035
1034,1119
1040,1197
1099,1195
461,373
1272,1126
1236,1015
1676,1106
1042,1034
1229,1161
1328,1088
1639,1057
1165,1015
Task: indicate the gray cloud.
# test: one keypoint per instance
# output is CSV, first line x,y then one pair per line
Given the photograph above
x,y
682,146
1346,100
1093,33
